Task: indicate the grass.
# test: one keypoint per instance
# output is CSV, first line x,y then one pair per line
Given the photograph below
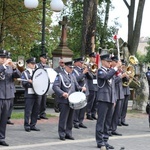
x,y
20,115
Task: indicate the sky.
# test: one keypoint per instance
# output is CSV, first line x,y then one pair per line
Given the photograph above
x,y
120,11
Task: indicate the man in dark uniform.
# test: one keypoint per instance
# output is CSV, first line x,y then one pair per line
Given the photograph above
x,y
59,69
126,90
12,101
119,96
8,72
65,84
148,79
105,99
42,98
61,66
92,85
81,73
31,103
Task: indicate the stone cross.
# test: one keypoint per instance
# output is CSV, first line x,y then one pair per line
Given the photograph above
x,y
64,23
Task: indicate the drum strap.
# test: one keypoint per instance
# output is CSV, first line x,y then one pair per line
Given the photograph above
x,y
26,75
64,82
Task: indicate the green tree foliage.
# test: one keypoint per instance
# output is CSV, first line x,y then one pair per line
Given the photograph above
x,y
20,27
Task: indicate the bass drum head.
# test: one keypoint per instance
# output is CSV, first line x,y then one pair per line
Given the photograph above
x,y
52,75
40,81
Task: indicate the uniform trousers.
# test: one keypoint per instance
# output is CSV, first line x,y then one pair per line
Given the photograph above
x,y
42,100
79,116
91,103
124,108
4,109
104,112
116,115
11,108
31,111
65,120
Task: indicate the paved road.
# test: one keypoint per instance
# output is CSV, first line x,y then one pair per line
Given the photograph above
x,y
135,137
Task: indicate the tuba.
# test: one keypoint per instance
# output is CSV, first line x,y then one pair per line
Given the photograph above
x,y
130,71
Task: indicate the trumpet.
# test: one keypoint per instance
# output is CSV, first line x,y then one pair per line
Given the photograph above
x,y
91,66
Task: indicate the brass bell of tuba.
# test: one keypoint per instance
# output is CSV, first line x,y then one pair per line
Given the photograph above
x,y
130,71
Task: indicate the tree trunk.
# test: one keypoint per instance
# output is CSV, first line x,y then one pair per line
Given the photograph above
x,y
134,30
3,5
137,28
89,26
103,35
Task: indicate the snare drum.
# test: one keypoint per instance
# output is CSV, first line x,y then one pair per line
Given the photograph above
x,y
77,100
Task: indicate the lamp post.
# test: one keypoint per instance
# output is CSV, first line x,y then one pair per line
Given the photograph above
x,y
56,5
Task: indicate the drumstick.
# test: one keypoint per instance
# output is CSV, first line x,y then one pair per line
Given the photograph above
x,y
19,79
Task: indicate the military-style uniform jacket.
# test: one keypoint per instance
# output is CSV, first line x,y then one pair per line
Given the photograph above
x,y
82,78
126,89
63,84
92,83
27,74
119,87
106,85
59,69
7,76
40,65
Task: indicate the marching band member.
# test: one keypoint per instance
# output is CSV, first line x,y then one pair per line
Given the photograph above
x,y
119,96
42,98
8,72
12,100
31,103
126,90
81,75
92,85
59,69
105,100
65,84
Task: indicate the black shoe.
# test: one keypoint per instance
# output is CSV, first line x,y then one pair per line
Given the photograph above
x,y
124,124
27,129
82,125
76,126
94,117
43,117
89,117
9,122
119,124
34,129
116,133
3,143
56,110
69,137
102,147
38,118
109,146
62,138
109,133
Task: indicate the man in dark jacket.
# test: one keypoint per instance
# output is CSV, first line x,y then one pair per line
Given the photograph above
x,y
105,98
65,84
8,72
31,103
42,98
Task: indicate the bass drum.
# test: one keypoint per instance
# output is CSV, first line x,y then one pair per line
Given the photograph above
x,y
77,100
40,81
52,75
